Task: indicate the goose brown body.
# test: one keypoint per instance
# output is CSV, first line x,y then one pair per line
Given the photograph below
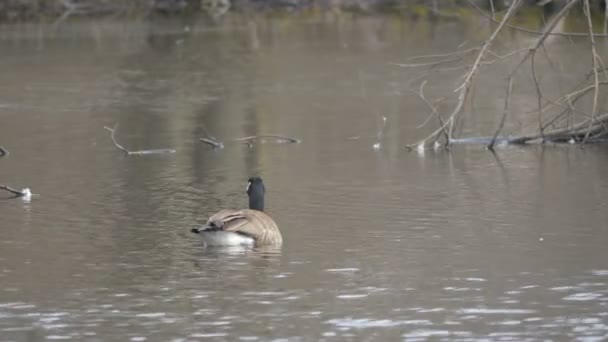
x,y
242,227
253,223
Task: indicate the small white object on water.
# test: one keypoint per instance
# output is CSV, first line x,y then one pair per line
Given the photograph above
x,y
541,239
420,148
376,146
572,141
436,145
27,194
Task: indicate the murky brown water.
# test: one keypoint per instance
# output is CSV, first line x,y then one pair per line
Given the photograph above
x,y
379,245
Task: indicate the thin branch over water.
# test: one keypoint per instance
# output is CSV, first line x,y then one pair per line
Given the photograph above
x,y
504,115
526,30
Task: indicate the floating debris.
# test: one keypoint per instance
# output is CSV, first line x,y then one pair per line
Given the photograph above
x,y
140,152
213,143
24,193
281,139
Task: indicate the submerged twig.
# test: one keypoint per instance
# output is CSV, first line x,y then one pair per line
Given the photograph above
x,y
3,152
139,152
279,138
112,131
380,134
249,140
429,64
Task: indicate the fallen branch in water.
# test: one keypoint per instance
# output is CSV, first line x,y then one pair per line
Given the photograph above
x,y
76,7
211,140
213,143
3,152
25,193
216,144
577,132
119,146
278,138
463,90
577,116
140,152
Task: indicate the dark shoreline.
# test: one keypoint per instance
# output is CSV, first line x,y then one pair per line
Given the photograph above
x,y
50,10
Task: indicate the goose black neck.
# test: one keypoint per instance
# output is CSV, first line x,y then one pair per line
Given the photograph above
x,y
256,196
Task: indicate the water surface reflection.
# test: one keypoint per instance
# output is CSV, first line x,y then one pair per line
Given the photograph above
x,y
379,244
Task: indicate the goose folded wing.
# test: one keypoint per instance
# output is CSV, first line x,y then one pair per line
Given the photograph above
x,y
249,222
217,219
232,221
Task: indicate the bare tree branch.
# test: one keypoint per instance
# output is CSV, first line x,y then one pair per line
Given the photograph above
x,y
140,152
464,88
434,112
594,58
11,190
523,29
429,64
504,115
558,120
539,93
443,55
112,131
605,18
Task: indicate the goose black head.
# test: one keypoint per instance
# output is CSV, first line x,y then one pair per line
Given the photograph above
x,y
256,191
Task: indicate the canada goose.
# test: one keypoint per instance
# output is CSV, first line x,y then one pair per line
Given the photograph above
x,y
249,227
